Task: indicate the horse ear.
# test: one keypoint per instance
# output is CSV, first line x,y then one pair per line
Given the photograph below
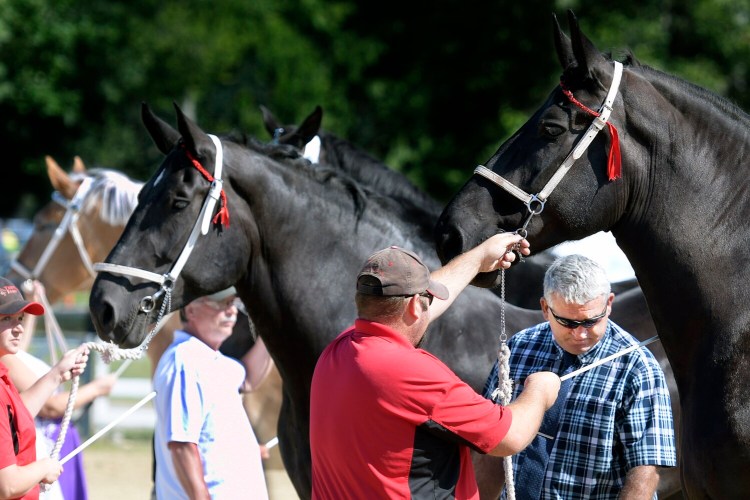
x,y
78,166
585,53
192,136
311,126
164,135
270,121
563,45
61,182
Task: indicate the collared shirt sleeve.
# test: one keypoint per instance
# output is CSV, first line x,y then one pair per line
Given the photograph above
x,y
187,403
646,430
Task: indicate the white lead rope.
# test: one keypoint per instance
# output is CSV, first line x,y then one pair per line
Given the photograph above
x,y
601,362
108,427
609,358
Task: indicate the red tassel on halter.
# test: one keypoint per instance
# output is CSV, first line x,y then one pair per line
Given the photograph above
x,y
222,216
614,160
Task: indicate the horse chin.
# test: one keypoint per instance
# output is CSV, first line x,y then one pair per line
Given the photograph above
x,y
130,335
486,280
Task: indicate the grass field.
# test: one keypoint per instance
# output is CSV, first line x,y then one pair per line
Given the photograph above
x,y
120,469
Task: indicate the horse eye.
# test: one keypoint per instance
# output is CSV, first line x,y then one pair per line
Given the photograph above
x,y
550,129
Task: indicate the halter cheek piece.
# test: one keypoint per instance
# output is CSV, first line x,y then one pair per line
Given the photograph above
x,y
201,226
535,202
68,224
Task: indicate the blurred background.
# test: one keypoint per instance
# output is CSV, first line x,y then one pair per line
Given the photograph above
x,y
431,88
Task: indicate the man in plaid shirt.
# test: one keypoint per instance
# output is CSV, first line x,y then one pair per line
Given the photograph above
x,y
611,427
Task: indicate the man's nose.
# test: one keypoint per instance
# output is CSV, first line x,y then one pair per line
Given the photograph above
x,y
580,332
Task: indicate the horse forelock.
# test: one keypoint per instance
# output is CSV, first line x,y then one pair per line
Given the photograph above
x,y
113,193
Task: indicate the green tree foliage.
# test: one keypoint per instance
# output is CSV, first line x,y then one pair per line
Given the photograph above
x,y
432,88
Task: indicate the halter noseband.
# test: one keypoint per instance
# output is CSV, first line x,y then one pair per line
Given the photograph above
x,y
201,226
535,202
69,223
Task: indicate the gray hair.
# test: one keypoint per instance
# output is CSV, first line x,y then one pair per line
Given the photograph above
x,y
577,279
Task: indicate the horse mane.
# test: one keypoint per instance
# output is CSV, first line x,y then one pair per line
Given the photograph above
x,y
116,193
695,92
324,174
374,173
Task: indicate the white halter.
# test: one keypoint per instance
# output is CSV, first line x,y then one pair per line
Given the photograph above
x,y
68,224
535,202
201,226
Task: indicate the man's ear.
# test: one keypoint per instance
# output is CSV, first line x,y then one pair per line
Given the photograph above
x,y
414,307
545,308
187,312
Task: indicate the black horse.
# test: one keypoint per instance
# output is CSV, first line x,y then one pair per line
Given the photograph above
x,y
523,287
284,248
297,237
679,213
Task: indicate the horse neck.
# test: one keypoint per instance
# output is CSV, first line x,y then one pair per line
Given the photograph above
x,y
688,154
684,229
375,175
302,229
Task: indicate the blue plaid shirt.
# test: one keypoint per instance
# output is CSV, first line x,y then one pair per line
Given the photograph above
x,y
617,416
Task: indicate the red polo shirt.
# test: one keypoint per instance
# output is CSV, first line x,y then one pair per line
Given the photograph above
x,y
13,407
388,420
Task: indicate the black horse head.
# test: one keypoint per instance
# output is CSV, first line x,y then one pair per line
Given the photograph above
x,y
295,135
153,240
584,202
680,182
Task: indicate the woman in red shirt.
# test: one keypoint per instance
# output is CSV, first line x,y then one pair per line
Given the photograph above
x,y
20,471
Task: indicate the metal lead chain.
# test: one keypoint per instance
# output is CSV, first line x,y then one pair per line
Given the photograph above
x,y
503,336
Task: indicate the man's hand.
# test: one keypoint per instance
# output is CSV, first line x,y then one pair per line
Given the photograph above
x,y
51,469
498,251
73,363
548,385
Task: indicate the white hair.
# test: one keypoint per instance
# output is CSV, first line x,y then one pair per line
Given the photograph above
x,y
577,279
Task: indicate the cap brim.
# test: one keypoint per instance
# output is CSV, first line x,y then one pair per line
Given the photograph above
x,y
223,294
438,290
18,306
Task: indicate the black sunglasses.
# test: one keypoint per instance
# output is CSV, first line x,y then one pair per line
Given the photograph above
x,y
429,297
574,323
426,294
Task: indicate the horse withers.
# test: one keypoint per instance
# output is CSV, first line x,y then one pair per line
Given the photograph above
x,y
673,199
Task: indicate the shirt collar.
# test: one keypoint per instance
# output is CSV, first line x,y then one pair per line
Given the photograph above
x,y
371,328
589,356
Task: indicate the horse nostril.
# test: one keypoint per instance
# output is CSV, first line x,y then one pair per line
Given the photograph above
x,y
449,243
105,321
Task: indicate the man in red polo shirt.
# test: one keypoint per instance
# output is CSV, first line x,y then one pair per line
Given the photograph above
x,y
390,420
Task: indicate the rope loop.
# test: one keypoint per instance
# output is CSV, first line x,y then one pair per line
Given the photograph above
x,y
504,391
109,352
